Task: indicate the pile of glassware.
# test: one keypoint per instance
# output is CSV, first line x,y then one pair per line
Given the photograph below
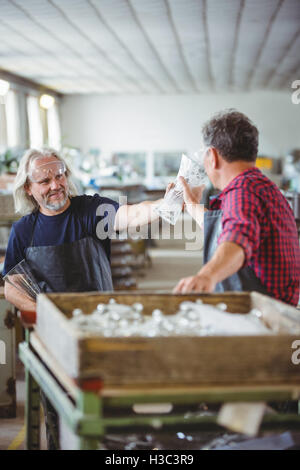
x,y
191,319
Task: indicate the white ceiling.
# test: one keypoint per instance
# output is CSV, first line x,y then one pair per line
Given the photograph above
x,y
152,46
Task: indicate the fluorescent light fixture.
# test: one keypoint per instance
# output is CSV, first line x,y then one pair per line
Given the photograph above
x,y
4,87
46,101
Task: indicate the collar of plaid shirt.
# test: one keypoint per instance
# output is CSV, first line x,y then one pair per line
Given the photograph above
x,y
215,201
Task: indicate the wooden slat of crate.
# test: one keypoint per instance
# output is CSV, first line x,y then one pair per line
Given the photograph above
x,y
178,360
53,365
287,391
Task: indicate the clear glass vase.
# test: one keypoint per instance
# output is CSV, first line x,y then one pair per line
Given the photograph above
x,y
22,279
193,172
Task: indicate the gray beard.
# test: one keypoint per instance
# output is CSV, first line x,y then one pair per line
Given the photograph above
x,y
56,206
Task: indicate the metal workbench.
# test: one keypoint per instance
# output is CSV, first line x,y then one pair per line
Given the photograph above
x,y
83,410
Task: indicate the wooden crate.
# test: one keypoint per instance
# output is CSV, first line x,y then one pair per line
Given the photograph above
x,y
211,360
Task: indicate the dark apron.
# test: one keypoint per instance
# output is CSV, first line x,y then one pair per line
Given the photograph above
x,y
80,266
245,279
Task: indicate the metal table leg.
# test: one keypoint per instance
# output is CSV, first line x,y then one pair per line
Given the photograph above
x,y
89,404
32,412
32,408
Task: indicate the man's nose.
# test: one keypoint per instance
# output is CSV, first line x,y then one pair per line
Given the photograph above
x,y
54,184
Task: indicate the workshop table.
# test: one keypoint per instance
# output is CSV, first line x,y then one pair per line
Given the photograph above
x,y
84,406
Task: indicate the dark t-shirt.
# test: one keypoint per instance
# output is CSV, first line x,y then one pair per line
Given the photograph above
x,y
86,216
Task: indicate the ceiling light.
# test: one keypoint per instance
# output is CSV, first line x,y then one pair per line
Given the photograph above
x,y
46,101
4,87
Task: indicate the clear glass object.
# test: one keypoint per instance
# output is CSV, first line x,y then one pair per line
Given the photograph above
x,y
22,279
190,319
192,170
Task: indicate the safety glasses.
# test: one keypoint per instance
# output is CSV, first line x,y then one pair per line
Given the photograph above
x,y
47,171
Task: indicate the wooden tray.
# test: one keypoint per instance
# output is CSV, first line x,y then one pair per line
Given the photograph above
x,y
211,360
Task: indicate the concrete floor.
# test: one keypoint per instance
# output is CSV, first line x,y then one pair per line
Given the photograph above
x,y
169,265
170,262
12,431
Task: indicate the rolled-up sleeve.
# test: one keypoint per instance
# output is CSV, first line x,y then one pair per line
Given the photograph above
x,y
240,221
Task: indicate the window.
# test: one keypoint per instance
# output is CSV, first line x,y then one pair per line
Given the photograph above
x,y
166,164
3,133
132,165
12,119
54,136
34,122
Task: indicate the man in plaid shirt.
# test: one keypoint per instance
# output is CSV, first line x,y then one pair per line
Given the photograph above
x,y
250,234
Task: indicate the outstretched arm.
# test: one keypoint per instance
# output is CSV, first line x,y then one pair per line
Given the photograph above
x,y
227,260
140,214
136,214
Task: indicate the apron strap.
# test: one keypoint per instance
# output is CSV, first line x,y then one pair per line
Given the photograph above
x,y
84,228
243,280
33,227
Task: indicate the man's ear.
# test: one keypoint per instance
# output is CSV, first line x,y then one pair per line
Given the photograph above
x,y
27,189
214,158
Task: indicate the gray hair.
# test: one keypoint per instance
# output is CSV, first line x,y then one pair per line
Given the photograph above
x,y
25,204
233,135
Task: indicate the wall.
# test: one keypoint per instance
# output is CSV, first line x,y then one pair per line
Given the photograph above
x,y
126,123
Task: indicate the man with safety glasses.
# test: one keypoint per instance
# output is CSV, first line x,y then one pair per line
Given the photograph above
x,y
58,237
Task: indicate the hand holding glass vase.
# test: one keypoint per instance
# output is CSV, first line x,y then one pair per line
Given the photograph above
x,y
192,170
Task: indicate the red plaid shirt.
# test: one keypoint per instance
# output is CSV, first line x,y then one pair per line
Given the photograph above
x,y
257,217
